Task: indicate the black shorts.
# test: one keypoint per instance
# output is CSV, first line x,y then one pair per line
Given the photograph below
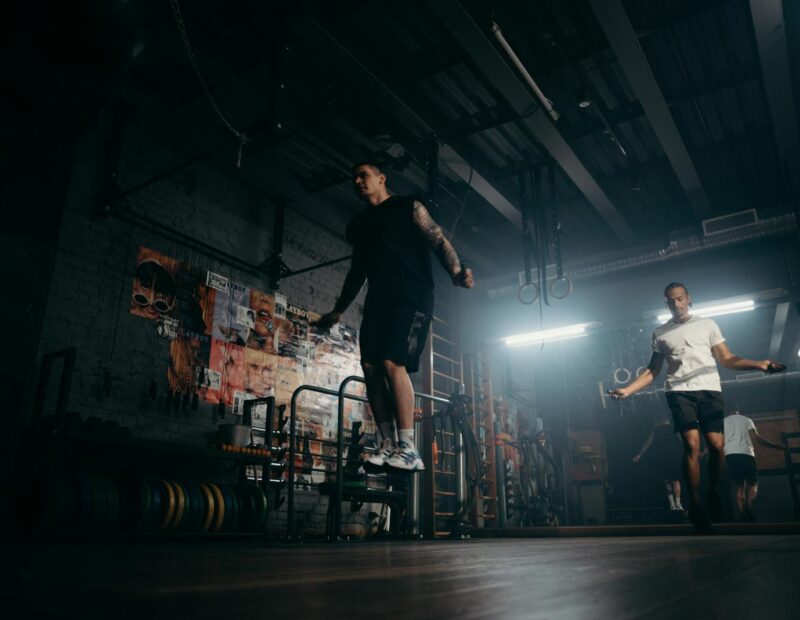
x,y
702,409
397,333
741,468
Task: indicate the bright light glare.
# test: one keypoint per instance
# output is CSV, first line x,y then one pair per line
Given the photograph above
x,y
548,335
716,310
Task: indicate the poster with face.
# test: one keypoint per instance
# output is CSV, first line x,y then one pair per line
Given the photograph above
x,y
263,335
231,343
228,360
154,285
290,376
173,293
259,371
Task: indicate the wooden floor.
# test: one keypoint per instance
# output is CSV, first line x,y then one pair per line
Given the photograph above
x,y
627,577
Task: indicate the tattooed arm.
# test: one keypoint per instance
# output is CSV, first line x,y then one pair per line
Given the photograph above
x,y
353,283
444,251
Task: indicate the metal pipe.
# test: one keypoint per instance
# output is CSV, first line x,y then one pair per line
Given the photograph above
x,y
546,103
772,227
292,428
340,442
167,172
461,480
337,509
318,266
687,246
413,493
433,399
500,477
276,266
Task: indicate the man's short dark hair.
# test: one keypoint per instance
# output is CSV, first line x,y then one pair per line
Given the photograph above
x,y
732,407
375,167
673,285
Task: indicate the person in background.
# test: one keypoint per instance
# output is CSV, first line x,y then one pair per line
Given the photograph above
x,y
665,450
740,458
692,346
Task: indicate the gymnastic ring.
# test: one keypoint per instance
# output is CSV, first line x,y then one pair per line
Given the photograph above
x,y
568,292
627,375
521,294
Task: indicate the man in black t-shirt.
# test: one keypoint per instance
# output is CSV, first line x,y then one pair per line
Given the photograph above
x,y
392,240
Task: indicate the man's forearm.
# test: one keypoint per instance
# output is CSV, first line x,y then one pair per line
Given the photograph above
x,y
768,443
739,363
641,382
447,257
350,289
646,445
436,240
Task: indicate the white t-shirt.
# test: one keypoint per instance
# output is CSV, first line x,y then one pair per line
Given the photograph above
x,y
737,435
686,347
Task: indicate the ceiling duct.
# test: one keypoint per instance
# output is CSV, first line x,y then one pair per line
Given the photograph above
x,y
677,248
730,222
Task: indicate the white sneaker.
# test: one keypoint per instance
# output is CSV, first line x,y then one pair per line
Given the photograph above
x,y
379,458
406,458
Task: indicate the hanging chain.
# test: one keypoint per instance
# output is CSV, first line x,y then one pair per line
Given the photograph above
x,y
240,135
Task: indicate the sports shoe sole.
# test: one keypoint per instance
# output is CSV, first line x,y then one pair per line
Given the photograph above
x,y
404,469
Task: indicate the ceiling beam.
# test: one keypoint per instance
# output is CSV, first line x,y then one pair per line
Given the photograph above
x,y
179,127
771,40
625,44
361,77
472,38
465,171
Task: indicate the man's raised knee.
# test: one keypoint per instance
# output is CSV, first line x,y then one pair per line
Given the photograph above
x,y
691,444
370,369
390,367
715,442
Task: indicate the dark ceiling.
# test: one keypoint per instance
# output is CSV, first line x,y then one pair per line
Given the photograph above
x,y
683,123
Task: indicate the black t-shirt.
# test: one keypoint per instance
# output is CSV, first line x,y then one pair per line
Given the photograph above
x,y
396,255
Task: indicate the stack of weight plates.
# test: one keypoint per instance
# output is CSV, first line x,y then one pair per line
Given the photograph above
x,y
99,502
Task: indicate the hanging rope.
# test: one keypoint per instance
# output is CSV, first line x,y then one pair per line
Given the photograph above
x,y
240,135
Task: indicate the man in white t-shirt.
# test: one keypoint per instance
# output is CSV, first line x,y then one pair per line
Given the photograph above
x,y
740,433
692,346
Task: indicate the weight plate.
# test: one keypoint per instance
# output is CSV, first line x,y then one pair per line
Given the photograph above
x,y
168,510
219,504
231,509
198,506
143,494
180,505
262,509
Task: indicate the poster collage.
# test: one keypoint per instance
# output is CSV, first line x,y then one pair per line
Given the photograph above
x,y
230,343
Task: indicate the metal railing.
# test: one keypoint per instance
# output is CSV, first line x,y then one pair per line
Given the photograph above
x,y
341,395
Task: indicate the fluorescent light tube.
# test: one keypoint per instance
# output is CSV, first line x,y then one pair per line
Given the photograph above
x,y
548,335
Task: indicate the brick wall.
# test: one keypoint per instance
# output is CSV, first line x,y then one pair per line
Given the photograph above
x,y
87,306
88,300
